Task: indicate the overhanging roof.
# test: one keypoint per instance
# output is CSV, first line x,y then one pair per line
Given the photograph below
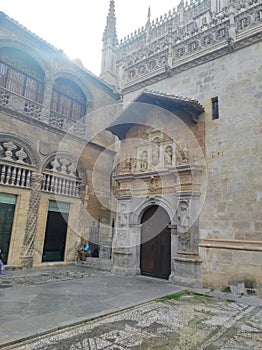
x,y
182,106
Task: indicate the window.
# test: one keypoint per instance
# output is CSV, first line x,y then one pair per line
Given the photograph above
x,y
68,99
215,111
21,74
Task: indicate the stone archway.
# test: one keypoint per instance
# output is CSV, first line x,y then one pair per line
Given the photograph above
x,y
155,248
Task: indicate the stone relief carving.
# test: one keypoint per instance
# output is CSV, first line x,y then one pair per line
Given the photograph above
x,y
144,161
182,154
121,238
44,147
14,153
15,149
168,156
153,184
21,156
9,152
183,224
160,153
156,151
123,216
126,165
62,166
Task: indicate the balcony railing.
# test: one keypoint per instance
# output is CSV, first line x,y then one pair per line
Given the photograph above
x,y
13,175
58,184
34,110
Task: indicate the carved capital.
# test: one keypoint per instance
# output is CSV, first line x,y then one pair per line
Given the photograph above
x,y
36,180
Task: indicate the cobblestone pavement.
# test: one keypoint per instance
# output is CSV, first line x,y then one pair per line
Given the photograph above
x,y
190,322
42,277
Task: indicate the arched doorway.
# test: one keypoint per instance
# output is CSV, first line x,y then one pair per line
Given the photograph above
x,y
155,256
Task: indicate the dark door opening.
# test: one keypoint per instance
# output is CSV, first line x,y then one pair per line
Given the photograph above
x,y
7,210
155,257
55,235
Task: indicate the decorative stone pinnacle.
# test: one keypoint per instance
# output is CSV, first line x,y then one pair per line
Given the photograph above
x,y
110,29
148,14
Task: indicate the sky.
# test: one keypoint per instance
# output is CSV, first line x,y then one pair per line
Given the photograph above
x,y
76,26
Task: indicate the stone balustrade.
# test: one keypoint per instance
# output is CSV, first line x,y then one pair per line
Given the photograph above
x,y
15,175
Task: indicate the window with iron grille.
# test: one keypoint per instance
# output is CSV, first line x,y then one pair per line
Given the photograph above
x,y
68,99
19,73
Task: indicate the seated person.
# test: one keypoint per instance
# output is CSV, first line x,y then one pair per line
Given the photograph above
x,y
84,251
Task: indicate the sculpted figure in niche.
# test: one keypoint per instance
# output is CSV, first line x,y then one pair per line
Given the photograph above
x,y
123,215
183,217
183,224
155,151
143,161
182,155
168,157
126,165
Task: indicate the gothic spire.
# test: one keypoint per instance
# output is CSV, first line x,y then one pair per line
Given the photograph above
x,y
148,25
148,15
109,51
110,29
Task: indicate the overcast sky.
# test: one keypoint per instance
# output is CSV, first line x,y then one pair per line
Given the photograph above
x,y
76,26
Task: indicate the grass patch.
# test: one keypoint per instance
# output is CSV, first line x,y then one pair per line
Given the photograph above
x,y
179,295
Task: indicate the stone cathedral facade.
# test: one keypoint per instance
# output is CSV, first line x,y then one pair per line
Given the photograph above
x,y
157,161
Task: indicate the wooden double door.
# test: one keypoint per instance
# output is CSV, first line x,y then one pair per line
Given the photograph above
x,y
155,258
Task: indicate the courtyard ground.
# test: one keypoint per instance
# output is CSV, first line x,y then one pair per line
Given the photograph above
x,y
78,308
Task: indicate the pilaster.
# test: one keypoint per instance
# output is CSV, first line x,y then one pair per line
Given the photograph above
x,y
31,223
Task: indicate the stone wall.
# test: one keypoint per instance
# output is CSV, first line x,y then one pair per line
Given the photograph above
x,y
233,154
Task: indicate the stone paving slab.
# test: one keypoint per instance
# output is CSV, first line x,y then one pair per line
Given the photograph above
x,y
193,322
38,301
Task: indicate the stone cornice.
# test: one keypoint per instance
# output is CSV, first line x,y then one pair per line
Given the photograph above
x,y
164,172
231,244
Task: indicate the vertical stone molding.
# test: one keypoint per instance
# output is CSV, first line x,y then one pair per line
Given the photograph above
x,y
32,215
47,98
81,226
174,245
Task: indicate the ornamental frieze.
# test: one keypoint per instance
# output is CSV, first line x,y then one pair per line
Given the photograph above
x,y
195,36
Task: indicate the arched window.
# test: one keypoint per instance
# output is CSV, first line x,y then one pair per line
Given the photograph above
x,y
68,99
21,74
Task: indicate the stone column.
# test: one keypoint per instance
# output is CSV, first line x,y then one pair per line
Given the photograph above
x,y
31,223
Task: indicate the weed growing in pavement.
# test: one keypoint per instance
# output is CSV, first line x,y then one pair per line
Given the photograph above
x,y
183,293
